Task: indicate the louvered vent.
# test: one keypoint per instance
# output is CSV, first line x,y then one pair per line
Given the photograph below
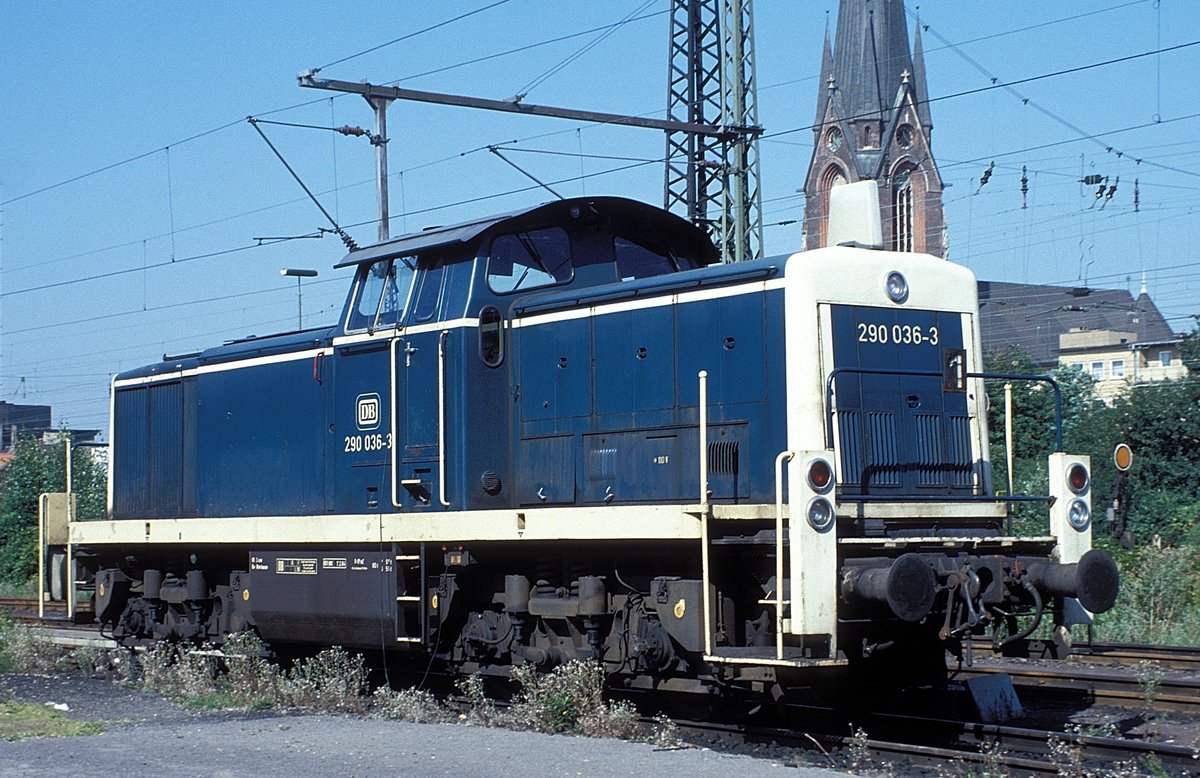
x,y
723,457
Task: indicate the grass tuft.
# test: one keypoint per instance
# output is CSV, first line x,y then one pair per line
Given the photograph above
x,y
21,720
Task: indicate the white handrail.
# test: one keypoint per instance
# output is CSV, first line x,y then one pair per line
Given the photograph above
x,y
703,375
704,571
393,412
442,418
784,456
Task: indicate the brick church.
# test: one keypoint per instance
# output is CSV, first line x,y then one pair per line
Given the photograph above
x,y
873,123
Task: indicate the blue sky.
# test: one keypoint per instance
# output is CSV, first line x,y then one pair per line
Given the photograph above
x,y
157,255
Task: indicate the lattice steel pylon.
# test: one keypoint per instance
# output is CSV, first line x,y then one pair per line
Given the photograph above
x,y
714,180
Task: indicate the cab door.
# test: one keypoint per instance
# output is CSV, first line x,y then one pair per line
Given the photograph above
x,y
419,357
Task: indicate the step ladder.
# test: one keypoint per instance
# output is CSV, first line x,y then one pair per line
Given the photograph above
x,y
750,654
410,589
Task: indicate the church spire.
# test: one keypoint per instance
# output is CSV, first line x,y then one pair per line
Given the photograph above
x,y
918,79
823,85
875,125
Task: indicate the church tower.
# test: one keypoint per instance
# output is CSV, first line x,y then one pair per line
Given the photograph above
x,y
873,123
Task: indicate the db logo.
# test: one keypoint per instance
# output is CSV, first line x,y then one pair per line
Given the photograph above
x,y
368,411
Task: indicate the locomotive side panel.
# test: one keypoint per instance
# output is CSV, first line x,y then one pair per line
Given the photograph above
x,y
261,451
156,426
609,395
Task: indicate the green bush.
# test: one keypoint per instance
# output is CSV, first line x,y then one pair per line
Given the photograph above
x,y
35,469
570,699
1159,600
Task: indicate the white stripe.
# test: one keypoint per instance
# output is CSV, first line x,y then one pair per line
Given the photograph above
x,y
465,323
274,359
399,332
649,302
291,356
633,522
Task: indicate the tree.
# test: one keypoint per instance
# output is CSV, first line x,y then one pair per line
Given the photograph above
x,y
1034,424
1161,423
34,469
1189,350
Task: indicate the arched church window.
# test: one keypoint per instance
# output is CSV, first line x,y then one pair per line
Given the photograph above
x,y
833,177
902,210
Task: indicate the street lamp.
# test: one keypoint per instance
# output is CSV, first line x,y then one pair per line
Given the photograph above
x,y
298,273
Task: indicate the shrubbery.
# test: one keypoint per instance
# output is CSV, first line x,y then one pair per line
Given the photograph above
x,y
35,469
569,700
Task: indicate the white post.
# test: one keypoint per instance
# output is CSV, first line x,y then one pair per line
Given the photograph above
x,y
1008,434
69,568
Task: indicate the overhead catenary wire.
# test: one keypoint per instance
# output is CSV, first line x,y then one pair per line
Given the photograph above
x,y
411,35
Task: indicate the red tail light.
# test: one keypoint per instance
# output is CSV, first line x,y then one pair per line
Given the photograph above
x,y
820,475
1077,478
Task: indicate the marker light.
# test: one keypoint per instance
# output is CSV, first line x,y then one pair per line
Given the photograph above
x,y
1123,457
820,514
1077,478
820,475
1078,514
896,287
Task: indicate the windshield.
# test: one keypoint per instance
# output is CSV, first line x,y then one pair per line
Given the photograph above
x,y
381,294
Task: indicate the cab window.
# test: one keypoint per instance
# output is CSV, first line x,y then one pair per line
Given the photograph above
x,y
427,298
529,259
636,259
381,294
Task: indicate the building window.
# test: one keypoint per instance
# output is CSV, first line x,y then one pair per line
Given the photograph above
x,y
1165,358
1098,371
1118,368
902,211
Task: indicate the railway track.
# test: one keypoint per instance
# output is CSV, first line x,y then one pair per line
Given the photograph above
x,y
931,742
1167,657
1120,688
25,610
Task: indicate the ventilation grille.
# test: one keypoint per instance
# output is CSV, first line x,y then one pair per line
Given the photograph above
x,y
603,465
723,457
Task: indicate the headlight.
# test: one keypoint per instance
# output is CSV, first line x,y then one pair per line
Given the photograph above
x,y
1077,478
820,514
1078,514
896,287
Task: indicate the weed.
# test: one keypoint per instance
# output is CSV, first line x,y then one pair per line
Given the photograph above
x,y
415,705
665,733
480,708
95,662
333,680
1066,754
249,678
24,651
1150,677
860,749
570,699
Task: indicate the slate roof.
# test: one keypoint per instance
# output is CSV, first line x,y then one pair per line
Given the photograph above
x,y
1032,316
869,55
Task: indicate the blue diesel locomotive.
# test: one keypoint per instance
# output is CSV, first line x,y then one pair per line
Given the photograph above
x,y
568,432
